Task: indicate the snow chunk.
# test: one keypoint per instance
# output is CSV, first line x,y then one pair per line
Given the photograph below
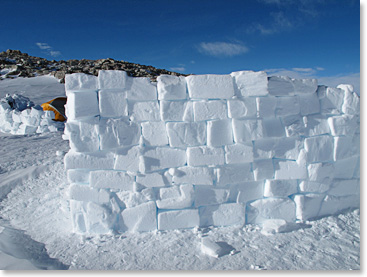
x,y
280,188
141,89
205,156
151,180
127,158
250,83
86,194
112,103
309,103
171,87
183,134
239,153
80,81
215,249
207,110
176,197
280,86
161,158
234,174
219,132
245,107
205,196
210,86
222,215
154,133
144,111
181,219
194,175
319,149
142,218
249,191
176,110
82,104
97,160
308,205
344,125
109,179
289,170
305,86
112,79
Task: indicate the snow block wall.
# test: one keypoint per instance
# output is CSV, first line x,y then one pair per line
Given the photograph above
x,y
208,150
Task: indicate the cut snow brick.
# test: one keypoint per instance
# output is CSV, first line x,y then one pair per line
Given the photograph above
x,y
183,134
239,153
86,193
96,160
351,100
78,176
210,86
250,191
110,179
288,105
112,103
234,174
245,107
247,129
151,180
280,188
344,125
272,127
82,104
335,204
307,186
309,103
219,132
99,219
215,249
182,219
194,175
344,169
161,158
316,125
266,106
141,89
127,159
250,83
263,169
144,111
331,100
207,110
176,197
304,86
142,218
294,125
321,172
308,205
289,170
112,79
80,81
205,196
345,147
78,216
176,110
319,149
280,86
154,133
83,135
344,187
280,148
222,215
205,156
171,87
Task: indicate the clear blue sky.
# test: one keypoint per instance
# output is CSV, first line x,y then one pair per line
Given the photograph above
x,y
300,38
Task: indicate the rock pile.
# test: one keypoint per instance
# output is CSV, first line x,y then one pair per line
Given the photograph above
x,y
14,63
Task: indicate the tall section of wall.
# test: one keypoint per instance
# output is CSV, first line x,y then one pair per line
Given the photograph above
x,y
208,150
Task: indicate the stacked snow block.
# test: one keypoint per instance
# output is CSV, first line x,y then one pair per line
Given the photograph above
x,y
208,150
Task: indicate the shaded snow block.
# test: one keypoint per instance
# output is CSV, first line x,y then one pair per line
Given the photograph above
x,y
331,100
115,133
234,174
273,127
280,188
222,215
176,110
88,194
150,180
351,100
319,149
100,220
205,156
183,134
288,105
110,179
154,133
344,169
24,129
78,176
127,159
250,83
280,86
176,197
271,208
112,79
131,199
78,216
141,89
344,125
210,86
207,110
205,196
219,132
344,187
247,129
280,148
335,204
82,104
294,125
307,186
181,219
345,147
144,111
305,86
308,205
266,106
142,218
161,158
80,81
215,249
245,107
309,103
239,153
249,191
289,170
171,87
316,125
321,172
194,175
112,103
96,160
83,135
263,169
16,116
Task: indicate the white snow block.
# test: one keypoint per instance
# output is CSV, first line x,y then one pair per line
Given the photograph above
x,y
88,194
344,169
205,196
344,187
151,180
316,125
214,249
141,89
335,204
194,175
331,100
319,149
222,215
313,187
344,125
208,110
280,148
78,176
250,83
115,133
161,158
205,156
127,159
309,103
273,226
210,86
280,86
183,134
82,104
144,111
99,219
83,135
112,103
176,197
266,106
78,216
272,127
289,170
239,153
271,208
321,172
16,116
112,79
245,130
154,133
131,199
263,169
219,132
305,86
280,188
234,174
344,147
245,107
96,160
171,87
142,218
287,105
110,179
351,100
176,110
26,129
308,205
294,125
181,219
249,191
80,81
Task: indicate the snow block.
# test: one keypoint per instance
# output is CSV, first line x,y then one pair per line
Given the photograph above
x,y
205,155
161,158
315,125
210,86
194,175
171,87
144,111
110,179
335,204
234,174
280,148
142,218
294,125
181,219
250,83
112,103
127,159
288,105
341,187
78,176
176,111
86,194
215,249
263,169
280,86
205,196
96,160
305,86
331,99
351,100
183,134
111,79
280,188
266,106
151,180
289,170
245,130
83,135
309,103
222,215
245,107
321,172
344,169
239,153
176,197
219,132
82,104
345,147
141,89
78,216
319,149
80,81
249,191
308,205
208,110
154,133
344,125
313,187
99,219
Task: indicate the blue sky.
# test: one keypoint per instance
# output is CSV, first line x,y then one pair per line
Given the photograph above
x,y
298,38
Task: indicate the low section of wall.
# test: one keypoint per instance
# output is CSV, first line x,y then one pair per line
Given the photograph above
x,y
208,150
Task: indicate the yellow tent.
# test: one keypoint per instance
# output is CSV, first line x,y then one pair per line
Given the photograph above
x,y
57,106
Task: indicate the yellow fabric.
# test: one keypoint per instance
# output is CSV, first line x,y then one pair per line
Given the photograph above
x,y
58,116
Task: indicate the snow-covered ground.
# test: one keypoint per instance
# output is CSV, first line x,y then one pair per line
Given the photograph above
x,y
35,226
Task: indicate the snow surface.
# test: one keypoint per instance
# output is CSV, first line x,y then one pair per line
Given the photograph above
x,y
35,224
